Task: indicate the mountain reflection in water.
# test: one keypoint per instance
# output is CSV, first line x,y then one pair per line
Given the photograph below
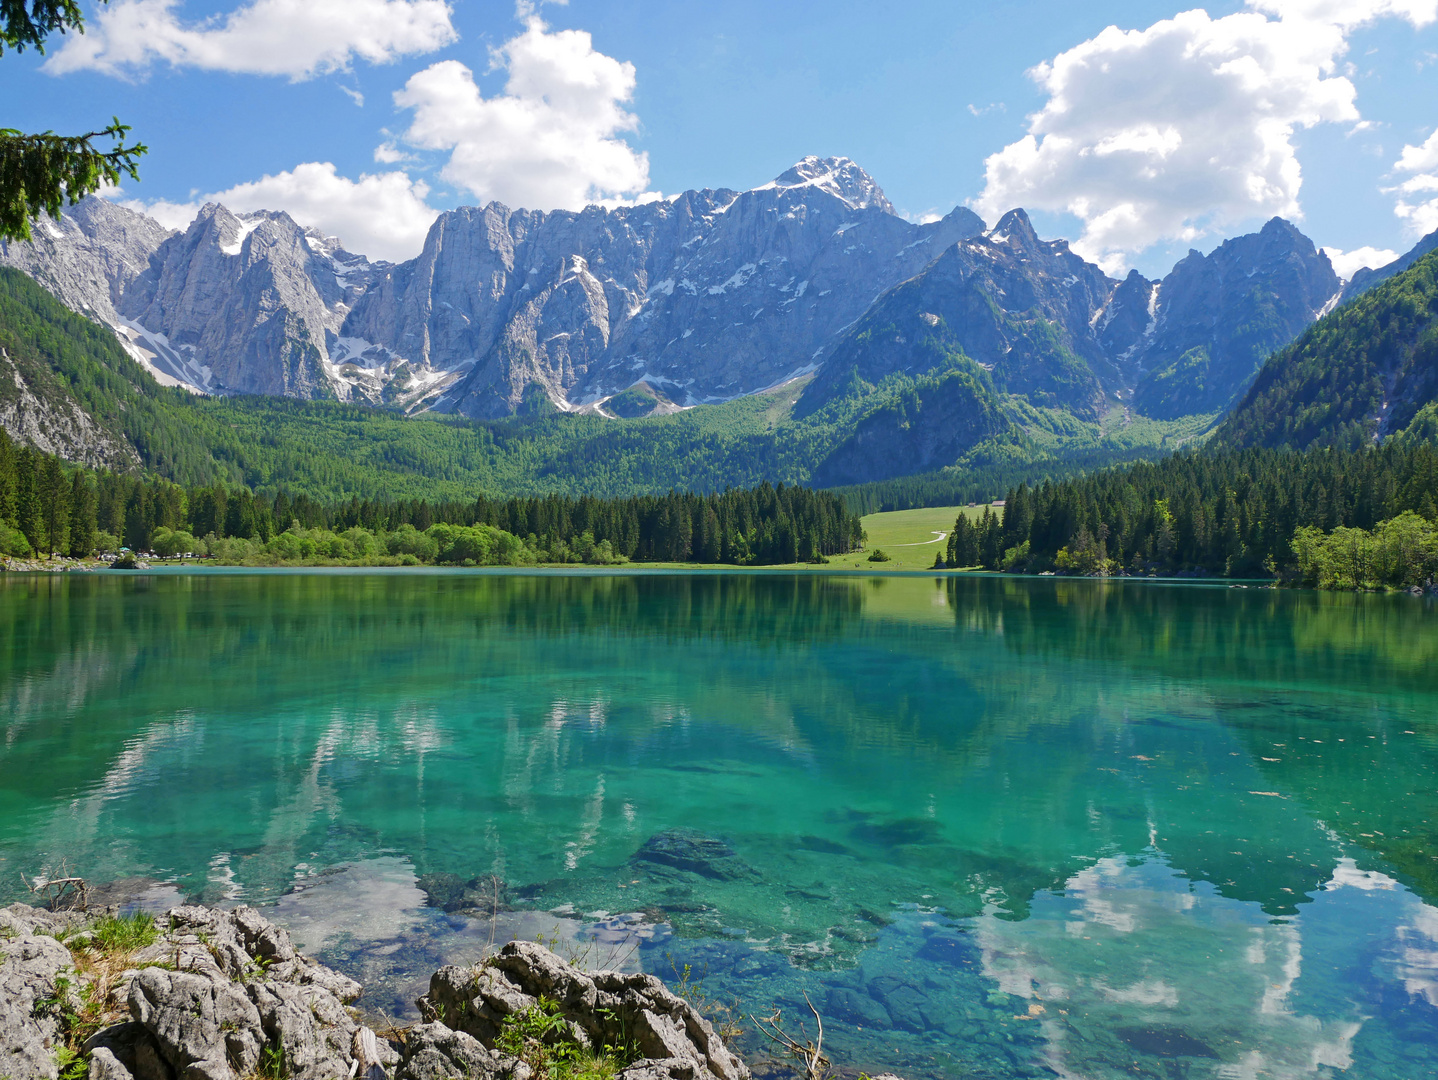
x,y
998,827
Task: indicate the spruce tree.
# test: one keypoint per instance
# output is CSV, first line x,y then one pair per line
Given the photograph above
x,y
82,517
137,521
54,496
9,480
27,499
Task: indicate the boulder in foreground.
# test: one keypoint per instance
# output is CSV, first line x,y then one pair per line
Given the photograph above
x,y
205,994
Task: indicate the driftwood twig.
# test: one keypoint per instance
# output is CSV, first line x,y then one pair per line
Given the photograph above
x,y
64,891
810,1052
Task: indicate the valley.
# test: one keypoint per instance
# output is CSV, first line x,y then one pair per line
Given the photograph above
x,y
799,332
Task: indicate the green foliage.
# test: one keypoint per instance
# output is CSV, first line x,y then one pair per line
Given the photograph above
x,y
39,173
639,400
171,542
72,1064
273,1064
479,545
1401,552
1043,445
544,1040
1335,517
79,1013
27,23
1015,558
765,525
879,555
124,933
13,542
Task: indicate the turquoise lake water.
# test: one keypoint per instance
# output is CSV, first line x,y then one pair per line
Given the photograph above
x,y
991,827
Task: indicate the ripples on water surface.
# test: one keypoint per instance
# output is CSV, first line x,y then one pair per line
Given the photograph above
x,y
994,828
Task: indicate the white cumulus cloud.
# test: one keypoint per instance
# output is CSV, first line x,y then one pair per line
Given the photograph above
x,y
551,140
1186,127
1348,263
1349,14
297,38
383,215
1418,195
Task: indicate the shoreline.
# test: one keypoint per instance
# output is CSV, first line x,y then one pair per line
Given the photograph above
x,y
206,566
225,993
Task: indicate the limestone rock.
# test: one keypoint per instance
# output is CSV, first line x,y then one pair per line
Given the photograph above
x,y
30,967
241,939
224,994
20,920
435,1052
90,256
662,1069
241,991
37,408
1218,317
704,297
206,1029
126,1050
604,1008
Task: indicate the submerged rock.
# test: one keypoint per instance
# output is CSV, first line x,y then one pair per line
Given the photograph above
x,y
484,895
688,850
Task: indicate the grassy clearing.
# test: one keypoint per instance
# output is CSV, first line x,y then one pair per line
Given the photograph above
x,y
909,537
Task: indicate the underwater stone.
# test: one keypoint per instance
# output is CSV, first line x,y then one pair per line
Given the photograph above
x,y
691,851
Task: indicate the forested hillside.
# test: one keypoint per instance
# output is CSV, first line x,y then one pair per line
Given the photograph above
x,y
48,508
330,451
1367,371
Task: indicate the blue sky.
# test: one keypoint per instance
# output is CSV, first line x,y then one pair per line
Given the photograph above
x,y
1176,128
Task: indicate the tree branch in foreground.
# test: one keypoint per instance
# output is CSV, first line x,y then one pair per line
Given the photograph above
x,y
38,173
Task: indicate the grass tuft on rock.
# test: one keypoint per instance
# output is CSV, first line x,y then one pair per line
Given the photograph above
x,y
125,933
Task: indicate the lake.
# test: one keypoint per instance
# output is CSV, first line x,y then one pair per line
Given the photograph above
x,y
990,827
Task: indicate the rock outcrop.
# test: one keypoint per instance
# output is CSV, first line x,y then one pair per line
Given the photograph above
x,y
90,257
602,1009
37,409
31,967
703,297
1218,317
222,995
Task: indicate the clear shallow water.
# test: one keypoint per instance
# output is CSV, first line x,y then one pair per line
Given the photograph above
x,y
993,828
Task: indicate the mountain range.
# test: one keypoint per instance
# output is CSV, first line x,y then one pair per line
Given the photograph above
x,y
910,344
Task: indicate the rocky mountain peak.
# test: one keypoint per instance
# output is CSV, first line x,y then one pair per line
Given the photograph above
x,y
839,176
1217,317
